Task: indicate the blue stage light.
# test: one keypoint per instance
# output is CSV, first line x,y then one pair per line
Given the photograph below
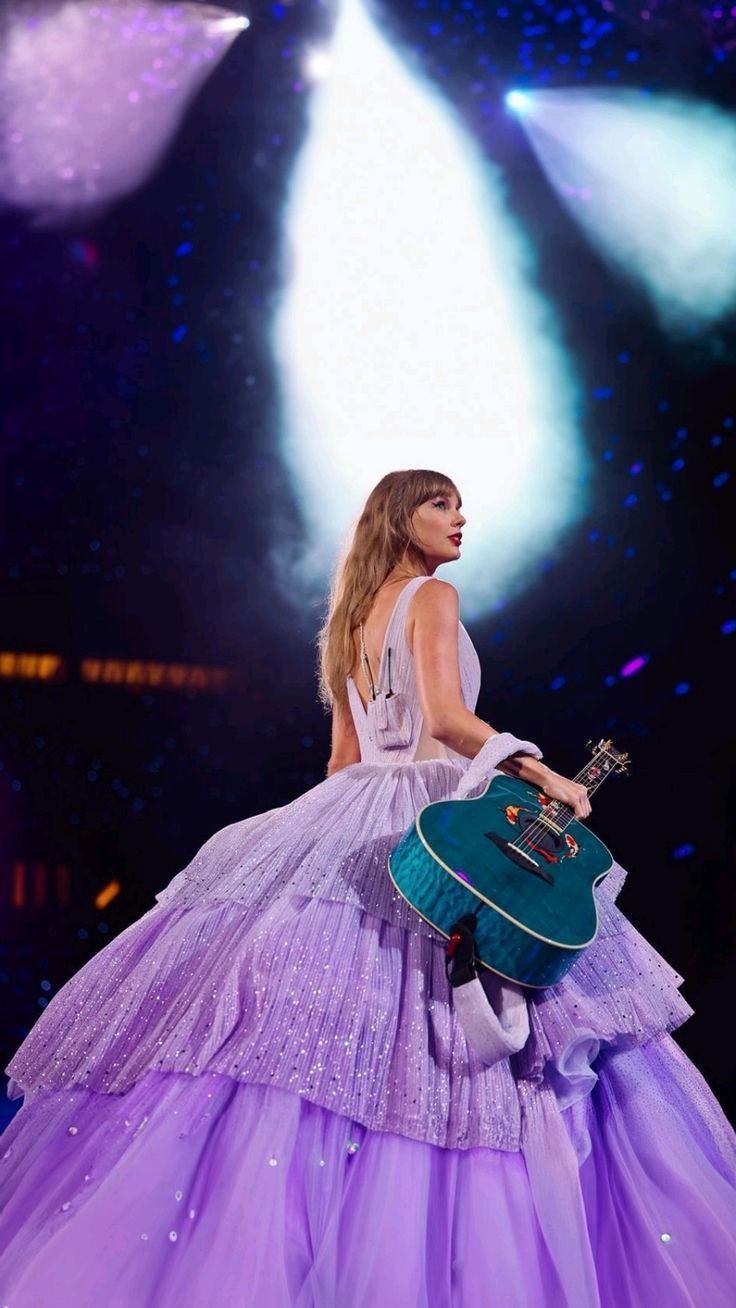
x,y
518,101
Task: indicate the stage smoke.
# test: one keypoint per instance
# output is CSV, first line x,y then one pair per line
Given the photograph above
x,y
91,95
651,179
411,333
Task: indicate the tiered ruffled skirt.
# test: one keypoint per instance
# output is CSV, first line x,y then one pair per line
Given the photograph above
x,y
259,1094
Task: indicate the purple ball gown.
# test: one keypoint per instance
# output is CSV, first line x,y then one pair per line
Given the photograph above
x,y
260,1094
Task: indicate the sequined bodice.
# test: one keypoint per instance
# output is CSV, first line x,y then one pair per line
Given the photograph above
x,y
420,745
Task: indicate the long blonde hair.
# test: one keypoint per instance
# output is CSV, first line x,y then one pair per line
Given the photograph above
x,y
383,537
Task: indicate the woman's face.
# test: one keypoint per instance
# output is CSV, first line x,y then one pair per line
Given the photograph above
x,y
435,523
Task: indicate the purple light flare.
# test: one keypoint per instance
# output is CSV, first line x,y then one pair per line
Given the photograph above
x,y
633,666
92,94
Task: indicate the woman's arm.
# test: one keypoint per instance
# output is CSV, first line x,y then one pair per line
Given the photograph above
x,y
432,632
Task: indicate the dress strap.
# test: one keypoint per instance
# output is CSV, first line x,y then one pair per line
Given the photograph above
x,y
366,664
396,616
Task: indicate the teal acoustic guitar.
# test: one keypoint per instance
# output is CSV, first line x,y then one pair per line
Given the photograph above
x,y
521,862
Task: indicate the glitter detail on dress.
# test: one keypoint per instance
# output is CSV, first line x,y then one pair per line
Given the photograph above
x,y
281,1006
282,955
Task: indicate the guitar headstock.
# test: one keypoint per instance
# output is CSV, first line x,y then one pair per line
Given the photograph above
x,y
608,758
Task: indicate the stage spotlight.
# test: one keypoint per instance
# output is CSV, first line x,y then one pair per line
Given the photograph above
x,y
93,93
518,101
317,65
651,179
238,23
412,332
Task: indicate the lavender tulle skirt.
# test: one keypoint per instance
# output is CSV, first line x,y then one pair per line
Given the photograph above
x,y
259,1094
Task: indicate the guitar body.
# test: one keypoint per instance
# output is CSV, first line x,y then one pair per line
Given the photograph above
x,y
529,882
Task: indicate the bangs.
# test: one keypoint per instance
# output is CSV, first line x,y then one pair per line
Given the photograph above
x,y
446,488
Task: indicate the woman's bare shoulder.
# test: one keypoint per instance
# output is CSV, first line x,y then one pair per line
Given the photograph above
x,y
436,602
437,597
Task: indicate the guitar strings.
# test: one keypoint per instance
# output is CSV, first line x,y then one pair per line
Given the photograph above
x,y
539,827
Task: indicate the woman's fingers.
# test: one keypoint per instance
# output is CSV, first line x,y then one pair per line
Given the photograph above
x,y
583,806
572,794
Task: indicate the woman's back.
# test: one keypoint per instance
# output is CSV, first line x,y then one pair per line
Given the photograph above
x,y
393,730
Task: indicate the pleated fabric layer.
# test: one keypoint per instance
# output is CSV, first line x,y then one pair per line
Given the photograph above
x,y
283,955
189,1191
314,997
330,1003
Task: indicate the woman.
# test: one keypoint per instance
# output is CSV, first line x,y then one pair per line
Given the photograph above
x,y
262,1093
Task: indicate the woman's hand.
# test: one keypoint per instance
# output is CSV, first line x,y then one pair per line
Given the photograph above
x,y
570,792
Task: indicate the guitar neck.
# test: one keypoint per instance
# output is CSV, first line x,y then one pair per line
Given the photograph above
x,y
596,771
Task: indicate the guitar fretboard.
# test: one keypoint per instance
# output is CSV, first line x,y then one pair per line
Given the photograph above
x,y
592,776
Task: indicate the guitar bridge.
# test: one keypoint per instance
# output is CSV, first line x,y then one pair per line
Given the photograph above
x,y
519,857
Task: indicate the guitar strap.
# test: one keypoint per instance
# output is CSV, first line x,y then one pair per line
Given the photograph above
x,y
493,1015
492,1012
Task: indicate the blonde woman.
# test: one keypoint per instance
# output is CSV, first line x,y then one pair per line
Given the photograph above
x,y
267,1092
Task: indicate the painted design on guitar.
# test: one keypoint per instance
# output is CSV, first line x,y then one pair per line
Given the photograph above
x,y
534,919
554,854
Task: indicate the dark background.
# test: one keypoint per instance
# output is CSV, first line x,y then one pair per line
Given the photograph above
x,y
144,493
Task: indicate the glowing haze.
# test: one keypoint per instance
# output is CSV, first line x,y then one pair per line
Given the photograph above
x,y
652,181
410,333
91,95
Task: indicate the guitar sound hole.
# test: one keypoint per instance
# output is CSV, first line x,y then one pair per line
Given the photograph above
x,y
543,840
